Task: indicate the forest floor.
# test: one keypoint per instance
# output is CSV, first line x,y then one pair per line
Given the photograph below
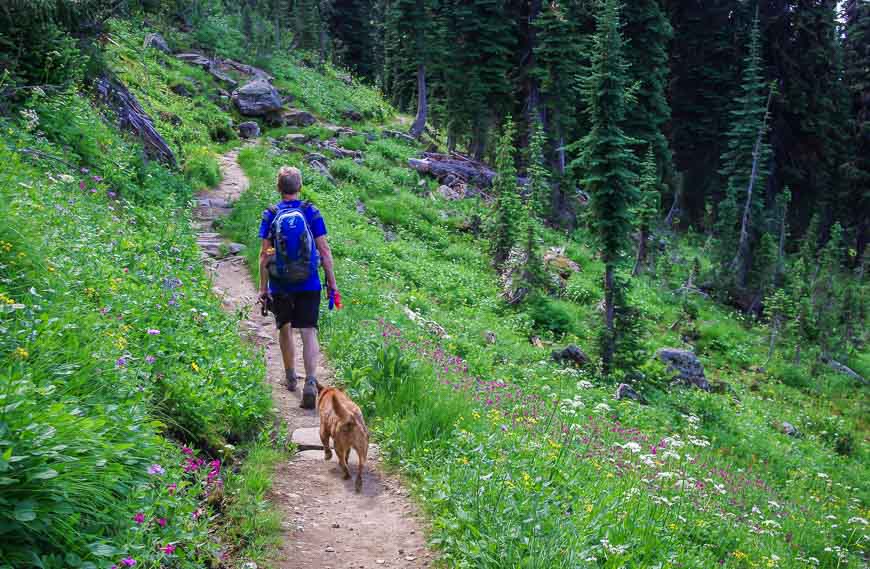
x,y
326,525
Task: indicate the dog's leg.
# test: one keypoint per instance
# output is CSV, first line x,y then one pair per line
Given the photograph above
x,y
324,438
342,459
361,458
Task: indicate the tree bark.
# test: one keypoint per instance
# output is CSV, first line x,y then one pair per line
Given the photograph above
x,y
741,261
609,346
640,261
422,106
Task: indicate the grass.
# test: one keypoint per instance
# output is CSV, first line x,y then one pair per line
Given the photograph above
x,y
521,463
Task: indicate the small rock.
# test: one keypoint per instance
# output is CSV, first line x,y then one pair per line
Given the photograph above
x,y
451,193
625,391
336,525
790,430
380,561
489,336
296,138
389,236
329,549
249,129
249,565
316,157
352,115
360,207
157,42
236,248
195,59
410,558
181,90
536,341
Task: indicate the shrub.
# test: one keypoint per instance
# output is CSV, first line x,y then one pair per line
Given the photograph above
x,y
201,169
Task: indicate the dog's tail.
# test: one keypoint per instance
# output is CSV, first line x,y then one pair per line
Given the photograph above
x,y
348,422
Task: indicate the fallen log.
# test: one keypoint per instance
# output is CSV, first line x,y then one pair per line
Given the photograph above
x,y
449,170
132,117
844,369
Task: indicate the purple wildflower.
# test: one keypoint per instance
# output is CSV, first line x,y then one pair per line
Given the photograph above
x,y
153,331
128,561
156,469
121,362
150,359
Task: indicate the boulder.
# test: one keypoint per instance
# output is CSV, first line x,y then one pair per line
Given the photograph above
x,y
235,248
157,42
296,138
295,117
257,98
687,367
571,354
249,129
625,391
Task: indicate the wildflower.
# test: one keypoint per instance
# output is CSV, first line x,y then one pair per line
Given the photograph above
x,y
168,549
197,513
172,488
128,561
161,522
150,359
739,554
857,520
187,450
21,353
153,331
156,469
111,194
121,362
194,367
139,518
82,185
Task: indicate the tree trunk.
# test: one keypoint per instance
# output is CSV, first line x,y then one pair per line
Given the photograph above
x,y
422,107
740,264
322,54
640,261
609,346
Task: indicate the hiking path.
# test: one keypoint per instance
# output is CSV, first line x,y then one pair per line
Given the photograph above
x,y
326,525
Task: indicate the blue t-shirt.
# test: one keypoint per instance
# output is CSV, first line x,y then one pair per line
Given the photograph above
x,y
317,227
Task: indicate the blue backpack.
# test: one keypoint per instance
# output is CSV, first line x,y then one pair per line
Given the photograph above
x,y
294,259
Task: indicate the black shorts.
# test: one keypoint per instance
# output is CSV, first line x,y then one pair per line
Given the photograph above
x,y
299,309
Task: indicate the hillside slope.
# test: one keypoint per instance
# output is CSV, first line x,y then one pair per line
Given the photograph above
x,y
519,461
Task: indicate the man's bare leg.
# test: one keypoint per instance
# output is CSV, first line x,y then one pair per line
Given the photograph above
x,y
310,355
288,354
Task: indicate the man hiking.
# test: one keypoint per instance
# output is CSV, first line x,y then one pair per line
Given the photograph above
x,y
294,245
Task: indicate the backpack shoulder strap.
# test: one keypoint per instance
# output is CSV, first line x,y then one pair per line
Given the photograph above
x,y
273,209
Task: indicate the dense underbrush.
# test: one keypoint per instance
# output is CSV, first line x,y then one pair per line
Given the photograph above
x,y
115,354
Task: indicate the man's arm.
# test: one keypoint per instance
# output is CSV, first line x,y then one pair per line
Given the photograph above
x,y
265,253
326,260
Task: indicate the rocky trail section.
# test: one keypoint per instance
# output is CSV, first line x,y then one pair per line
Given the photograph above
x,y
326,524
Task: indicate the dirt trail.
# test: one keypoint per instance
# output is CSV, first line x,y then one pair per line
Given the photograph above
x,y
326,524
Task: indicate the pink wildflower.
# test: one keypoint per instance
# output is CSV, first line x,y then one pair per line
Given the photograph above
x,y
169,549
139,518
128,561
197,513
172,488
187,450
161,522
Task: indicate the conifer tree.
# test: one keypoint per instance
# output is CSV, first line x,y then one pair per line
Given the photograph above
x,y
744,166
648,33
540,198
606,163
647,207
857,75
505,230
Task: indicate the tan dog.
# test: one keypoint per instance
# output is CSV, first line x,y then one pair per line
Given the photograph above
x,y
342,420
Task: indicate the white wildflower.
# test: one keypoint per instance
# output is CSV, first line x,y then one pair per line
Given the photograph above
x,y
583,384
857,520
670,454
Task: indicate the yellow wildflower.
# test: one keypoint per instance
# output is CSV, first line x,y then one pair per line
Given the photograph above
x,y
50,269
21,353
194,367
588,508
739,555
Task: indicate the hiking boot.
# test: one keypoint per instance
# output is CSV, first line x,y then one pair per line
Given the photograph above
x,y
291,380
309,393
